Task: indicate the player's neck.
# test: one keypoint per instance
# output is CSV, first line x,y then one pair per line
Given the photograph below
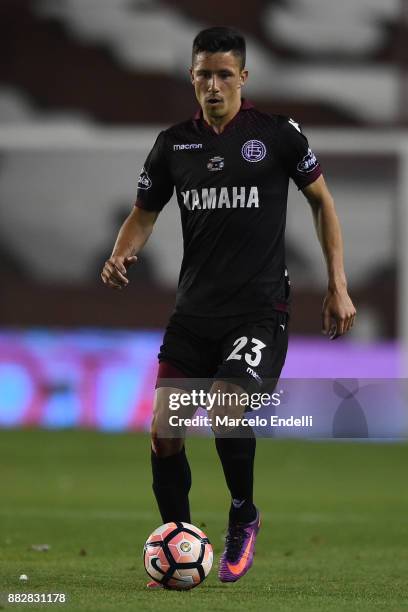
x,y
219,124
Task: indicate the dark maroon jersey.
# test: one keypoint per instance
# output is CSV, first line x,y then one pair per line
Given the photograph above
x,y
232,193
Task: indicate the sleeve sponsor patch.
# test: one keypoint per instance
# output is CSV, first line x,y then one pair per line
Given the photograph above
x,y
144,181
308,163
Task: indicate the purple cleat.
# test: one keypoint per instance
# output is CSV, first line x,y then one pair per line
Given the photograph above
x,y
239,550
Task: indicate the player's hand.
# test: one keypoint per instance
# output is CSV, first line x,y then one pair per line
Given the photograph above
x,y
114,273
338,314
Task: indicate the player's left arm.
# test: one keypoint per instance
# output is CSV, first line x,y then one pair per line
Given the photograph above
x,y
338,311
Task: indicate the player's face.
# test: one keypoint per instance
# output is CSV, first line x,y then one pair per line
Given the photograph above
x,y
217,79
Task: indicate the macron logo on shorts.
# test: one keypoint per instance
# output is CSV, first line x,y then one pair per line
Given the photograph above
x,y
254,375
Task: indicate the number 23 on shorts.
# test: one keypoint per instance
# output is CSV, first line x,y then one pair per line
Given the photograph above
x,y
254,356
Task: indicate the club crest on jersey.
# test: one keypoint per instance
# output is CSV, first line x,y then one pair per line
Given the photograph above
x,y
144,181
253,150
308,163
216,163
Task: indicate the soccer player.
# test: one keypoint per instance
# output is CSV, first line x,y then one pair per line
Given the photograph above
x,y
230,165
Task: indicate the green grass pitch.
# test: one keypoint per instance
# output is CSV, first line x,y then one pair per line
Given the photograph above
x,y
334,534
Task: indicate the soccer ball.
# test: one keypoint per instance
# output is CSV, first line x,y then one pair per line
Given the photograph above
x,y
178,555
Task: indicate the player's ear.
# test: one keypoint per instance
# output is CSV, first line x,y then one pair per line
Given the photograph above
x,y
243,76
191,75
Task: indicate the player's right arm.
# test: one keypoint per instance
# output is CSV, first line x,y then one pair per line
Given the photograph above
x,y
155,188
131,238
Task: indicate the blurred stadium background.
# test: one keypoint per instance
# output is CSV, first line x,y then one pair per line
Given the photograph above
x,y
85,85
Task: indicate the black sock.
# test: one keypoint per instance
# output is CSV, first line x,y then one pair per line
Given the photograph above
x,y
237,457
171,486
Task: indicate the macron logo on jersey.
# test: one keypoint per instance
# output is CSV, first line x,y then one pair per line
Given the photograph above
x,y
224,197
182,147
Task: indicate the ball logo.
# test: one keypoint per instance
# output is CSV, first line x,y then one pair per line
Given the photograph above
x,y
253,150
185,546
144,181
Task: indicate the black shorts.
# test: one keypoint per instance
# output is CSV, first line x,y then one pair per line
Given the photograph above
x,y
247,350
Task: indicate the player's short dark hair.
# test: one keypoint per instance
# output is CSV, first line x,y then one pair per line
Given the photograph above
x,y
220,39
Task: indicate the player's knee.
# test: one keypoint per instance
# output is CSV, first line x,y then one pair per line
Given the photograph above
x,y
227,411
165,447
